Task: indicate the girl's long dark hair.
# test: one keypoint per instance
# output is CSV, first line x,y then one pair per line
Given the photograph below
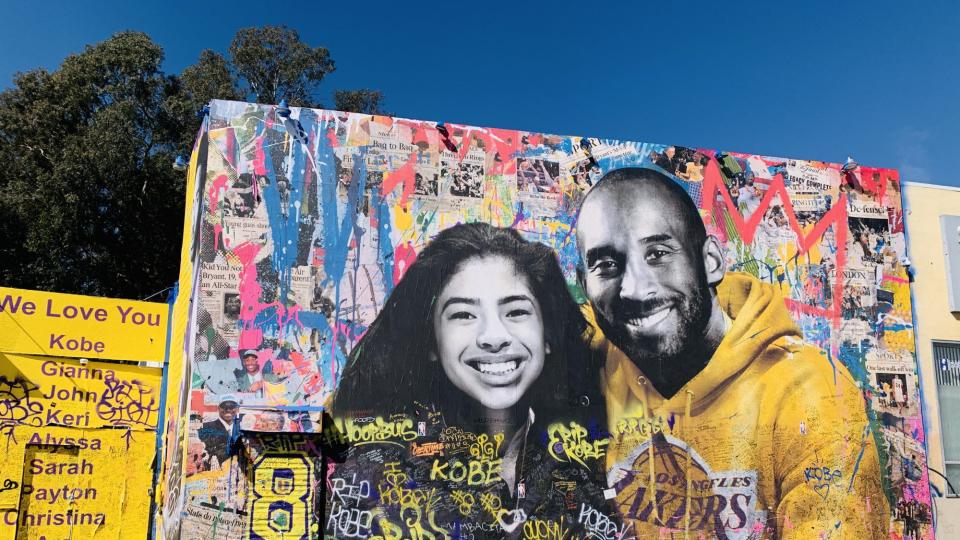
x,y
389,371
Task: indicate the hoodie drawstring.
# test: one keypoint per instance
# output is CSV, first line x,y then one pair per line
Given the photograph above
x,y
651,487
648,416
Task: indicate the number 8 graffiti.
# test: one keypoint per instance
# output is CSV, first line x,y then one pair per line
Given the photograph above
x,y
280,507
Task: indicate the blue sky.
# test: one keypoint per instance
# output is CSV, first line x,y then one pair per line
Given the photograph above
x,y
878,80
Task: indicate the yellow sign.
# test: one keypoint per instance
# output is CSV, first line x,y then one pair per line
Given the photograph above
x,y
37,391
54,324
75,483
78,439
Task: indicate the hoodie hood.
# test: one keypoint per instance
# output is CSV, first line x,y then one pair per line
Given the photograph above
x,y
757,319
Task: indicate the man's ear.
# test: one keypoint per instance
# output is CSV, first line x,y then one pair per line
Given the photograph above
x,y
581,280
714,263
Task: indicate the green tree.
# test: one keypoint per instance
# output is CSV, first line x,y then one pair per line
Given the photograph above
x,y
363,100
89,201
272,64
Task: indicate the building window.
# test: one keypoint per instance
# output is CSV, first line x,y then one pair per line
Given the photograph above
x,y
950,229
947,356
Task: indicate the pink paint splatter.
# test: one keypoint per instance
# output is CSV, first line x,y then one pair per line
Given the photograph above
x,y
403,257
250,336
332,138
895,279
465,142
314,384
230,151
331,468
318,255
915,426
502,142
259,158
405,175
714,194
418,133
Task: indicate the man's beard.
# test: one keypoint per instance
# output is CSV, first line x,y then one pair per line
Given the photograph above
x,y
679,354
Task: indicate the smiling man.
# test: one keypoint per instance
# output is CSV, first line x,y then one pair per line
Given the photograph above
x,y
217,433
251,378
649,272
722,419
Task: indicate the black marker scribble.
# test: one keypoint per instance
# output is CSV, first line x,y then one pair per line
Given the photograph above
x,y
128,403
17,406
9,484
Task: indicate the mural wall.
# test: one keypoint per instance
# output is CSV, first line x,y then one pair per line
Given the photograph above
x,y
411,329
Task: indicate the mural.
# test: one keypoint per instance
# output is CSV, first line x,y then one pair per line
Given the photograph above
x,y
412,329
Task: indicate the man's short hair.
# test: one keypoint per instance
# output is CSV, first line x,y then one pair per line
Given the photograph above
x,y
690,214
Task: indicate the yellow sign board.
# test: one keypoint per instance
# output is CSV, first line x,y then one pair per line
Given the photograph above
x,y
55,324
41,391
78,439
75,483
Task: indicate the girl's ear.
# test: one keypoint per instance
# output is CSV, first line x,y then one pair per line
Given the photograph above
x,y
546,348
432,356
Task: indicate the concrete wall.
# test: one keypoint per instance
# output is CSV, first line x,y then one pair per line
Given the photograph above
x,y
925,204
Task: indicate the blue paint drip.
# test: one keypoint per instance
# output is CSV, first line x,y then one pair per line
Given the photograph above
x,y
312,319
853,358
384,226
924,415
327,355
284,227
566,145
833,366
856,466
336,233
898,327
636,158
359,178
266,319
164,381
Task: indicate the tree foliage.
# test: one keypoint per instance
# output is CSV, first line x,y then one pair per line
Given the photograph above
x,y
363,100
272,64
89,200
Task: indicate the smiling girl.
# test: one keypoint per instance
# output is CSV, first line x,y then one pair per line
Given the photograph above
x,y
481,338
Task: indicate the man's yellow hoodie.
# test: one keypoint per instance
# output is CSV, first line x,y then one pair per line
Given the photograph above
x,y
774,434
